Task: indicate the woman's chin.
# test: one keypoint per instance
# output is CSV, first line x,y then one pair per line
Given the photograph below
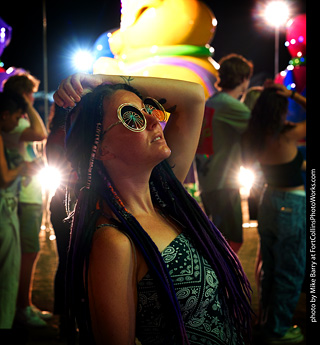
x,y
162,154
166,152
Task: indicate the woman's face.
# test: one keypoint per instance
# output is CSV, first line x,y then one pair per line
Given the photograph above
x,y
148,147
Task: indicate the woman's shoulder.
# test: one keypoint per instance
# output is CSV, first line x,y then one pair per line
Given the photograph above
x,y
108,235
294,131
111,252
111,243
107,227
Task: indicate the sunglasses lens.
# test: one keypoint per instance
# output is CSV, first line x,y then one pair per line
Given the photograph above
x,y
154,108
132,118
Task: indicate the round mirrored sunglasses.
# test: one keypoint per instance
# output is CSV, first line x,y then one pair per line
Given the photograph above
x,y
132,117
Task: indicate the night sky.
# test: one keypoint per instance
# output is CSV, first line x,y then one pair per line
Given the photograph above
x,y
79,23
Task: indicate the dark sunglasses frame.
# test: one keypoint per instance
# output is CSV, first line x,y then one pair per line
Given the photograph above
x,y
132,117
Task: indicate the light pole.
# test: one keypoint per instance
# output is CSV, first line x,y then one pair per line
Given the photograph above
x,y
276,14
45,61
276,50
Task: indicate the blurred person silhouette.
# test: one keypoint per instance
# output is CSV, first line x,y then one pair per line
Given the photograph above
x,y
249,99
251,95
272,140
144,260
12,167
56,157
218,164
30,128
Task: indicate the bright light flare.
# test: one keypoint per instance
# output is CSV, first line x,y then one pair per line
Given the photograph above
x,y
83,60
50,178
276,13
269,14
246,179
52,237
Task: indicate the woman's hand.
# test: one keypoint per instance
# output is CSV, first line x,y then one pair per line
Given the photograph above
x,y
185,100
281,89
74,87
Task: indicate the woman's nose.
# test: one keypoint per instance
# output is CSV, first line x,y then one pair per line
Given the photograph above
x,y
152,121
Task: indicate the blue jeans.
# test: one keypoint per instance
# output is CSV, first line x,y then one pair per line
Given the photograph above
x,y
282,230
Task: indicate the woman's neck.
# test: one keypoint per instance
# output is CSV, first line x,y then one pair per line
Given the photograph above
x,y
134,192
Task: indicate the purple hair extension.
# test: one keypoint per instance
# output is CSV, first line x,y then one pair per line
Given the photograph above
x,y
209,240
93,153
148,249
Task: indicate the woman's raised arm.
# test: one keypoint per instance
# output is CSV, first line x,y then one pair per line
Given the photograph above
x,y
184,100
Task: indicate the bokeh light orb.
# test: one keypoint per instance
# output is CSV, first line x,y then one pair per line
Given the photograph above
x,y
296,35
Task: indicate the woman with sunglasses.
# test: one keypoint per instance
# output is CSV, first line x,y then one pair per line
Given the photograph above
x,y
144,261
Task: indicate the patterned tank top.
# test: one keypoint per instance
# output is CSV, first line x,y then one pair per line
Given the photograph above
x,y
196,287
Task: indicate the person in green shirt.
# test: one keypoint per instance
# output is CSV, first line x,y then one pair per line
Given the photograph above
x,y
218,163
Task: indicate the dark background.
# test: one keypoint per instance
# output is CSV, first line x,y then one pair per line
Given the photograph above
x,y
72,24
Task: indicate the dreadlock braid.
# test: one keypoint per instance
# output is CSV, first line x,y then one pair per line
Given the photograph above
x,y
147,247
210,242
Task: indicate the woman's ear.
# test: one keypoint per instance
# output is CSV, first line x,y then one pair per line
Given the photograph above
x,y
103,153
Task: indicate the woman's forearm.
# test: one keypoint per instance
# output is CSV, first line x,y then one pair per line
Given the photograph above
x,y
297,97
184,93
37,130
184,100
7,176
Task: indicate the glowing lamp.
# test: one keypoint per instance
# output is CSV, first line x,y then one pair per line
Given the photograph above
x,y
50,178
83,60
276,13
246,179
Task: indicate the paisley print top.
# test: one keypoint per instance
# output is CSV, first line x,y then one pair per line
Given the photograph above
x,y
196,287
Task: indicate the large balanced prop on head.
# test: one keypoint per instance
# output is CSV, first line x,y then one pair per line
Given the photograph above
x,y
168,39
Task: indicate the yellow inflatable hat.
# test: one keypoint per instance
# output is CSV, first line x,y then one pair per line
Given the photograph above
x,y
163,38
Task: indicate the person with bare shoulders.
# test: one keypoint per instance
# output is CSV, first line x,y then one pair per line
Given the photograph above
x,y
144,261
272,140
